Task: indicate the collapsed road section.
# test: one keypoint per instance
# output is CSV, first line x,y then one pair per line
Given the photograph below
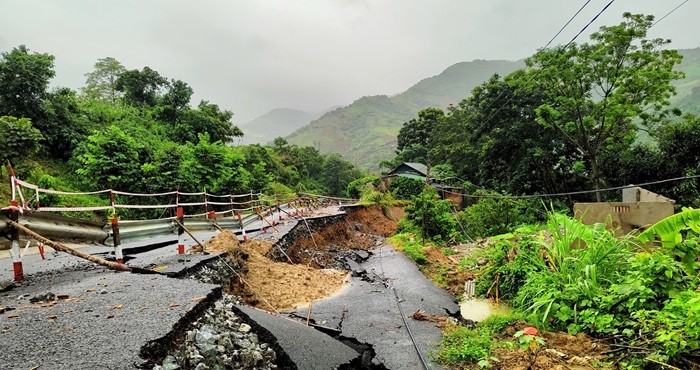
x,y
199,316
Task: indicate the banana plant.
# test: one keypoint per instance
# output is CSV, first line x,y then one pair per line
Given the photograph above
x,y
670,232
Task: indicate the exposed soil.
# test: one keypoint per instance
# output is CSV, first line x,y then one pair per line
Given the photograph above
x,y
561,352
270,284
358,232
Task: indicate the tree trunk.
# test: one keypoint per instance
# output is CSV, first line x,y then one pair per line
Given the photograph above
x,y
596,179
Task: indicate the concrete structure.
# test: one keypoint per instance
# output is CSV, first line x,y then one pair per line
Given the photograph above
x,y
639,209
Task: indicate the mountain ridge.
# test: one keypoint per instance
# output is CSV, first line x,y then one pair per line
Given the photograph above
x,y
364,132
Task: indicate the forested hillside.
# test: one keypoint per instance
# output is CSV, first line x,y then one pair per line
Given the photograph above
x,y
137,131
365,132
278,122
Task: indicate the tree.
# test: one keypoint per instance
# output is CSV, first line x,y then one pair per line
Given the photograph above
x,y
595,91
679,144
414,136
101,84
19,138
207,118
337,174
63,123
175,101
142,87
24,78
501,146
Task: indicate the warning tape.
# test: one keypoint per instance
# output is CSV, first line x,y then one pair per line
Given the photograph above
x,y
145,206
143,194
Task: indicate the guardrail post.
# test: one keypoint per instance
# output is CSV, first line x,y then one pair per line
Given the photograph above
x,y
41,250
116,240
211,216
279,211
180,231
14,236
240,222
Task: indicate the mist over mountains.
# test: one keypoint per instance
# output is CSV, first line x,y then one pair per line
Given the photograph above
x,y
365,131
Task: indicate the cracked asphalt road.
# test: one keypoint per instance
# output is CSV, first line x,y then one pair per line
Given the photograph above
x,y
368,311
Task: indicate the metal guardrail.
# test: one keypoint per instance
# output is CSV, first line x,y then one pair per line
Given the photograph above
x,y
59,227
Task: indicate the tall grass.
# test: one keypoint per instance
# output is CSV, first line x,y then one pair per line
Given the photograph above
x,y
578,262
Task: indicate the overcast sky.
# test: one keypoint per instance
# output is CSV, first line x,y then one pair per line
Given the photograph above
x,y
252,56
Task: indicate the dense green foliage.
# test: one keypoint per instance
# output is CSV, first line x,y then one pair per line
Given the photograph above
x,y
581,278
587,116
406,188
431,217
137,131
19,138
593,91
499,214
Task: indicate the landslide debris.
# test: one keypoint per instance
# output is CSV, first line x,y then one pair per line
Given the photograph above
x,y
267,282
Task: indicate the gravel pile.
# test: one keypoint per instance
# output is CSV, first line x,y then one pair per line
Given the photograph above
x,y
220,340
218,272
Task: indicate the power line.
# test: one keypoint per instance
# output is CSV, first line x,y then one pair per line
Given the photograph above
x,y
559,52
545,47
573,192
589,23
567,23
669,13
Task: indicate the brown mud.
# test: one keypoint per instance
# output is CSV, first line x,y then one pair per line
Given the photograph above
x,y
271,284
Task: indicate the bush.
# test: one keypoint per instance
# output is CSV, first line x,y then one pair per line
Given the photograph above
x,y
432,216
494,216
357,187
406,188
19,138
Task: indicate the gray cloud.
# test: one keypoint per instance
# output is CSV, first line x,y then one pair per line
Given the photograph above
x,y
252,56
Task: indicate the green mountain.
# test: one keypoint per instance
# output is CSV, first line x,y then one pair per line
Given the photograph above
x,y
275,123
688,89
364,132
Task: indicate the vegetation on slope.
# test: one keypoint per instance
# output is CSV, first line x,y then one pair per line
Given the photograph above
x,y
137,131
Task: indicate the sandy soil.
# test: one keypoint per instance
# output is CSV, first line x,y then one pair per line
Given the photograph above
x,y
270,283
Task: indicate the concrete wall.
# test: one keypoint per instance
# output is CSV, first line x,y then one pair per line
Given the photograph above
x,y
634,195
624,217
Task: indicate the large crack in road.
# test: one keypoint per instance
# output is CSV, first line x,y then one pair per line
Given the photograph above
x,y
361,327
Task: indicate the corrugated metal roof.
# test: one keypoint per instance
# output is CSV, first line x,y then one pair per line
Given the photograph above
x,y
420,167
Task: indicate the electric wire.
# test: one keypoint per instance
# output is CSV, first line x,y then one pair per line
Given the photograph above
x,y
544,48
550,195
559,52
669,13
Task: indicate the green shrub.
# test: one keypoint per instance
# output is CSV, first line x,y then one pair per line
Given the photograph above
x,y
494,216
432,216
510,261
406,188
357,187
19,139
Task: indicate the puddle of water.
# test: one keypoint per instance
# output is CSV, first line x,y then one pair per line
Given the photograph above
x,y
477,309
